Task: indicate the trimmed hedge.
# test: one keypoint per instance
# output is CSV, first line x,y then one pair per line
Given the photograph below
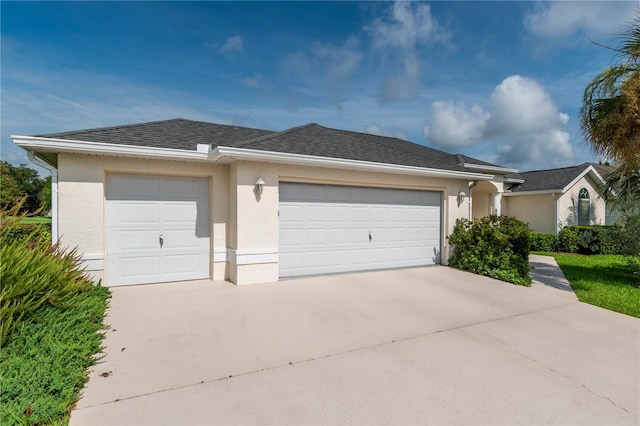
x,y
544,242
495,246
592,239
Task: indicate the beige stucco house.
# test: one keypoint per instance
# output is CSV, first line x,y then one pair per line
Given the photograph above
x,y
179,199
551,199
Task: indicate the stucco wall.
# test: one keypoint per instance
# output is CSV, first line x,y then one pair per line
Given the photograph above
x,y
539,211
256,236
245,226
568,213
81,209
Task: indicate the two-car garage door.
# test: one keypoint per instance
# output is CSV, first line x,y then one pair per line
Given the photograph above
x,y
157,228
330,228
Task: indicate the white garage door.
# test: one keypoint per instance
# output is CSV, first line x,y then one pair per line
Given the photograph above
x,y
157,229
327,228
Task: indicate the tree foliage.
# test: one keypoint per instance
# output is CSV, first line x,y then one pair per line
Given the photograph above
x,y
18,182
610,115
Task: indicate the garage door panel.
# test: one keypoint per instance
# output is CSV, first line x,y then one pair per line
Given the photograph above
x,y
315,213
359,256
134,239
139,266
338,236
405,229
145,187
315,259
134,213
143,208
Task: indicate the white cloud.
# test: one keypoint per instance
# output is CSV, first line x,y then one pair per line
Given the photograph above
x,y
409,24
520,104
407,27
342,60
376,129
232,46
324,59
454,125
520,115
559,19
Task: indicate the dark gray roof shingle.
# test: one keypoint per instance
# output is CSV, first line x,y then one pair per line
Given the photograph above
x,y
309,139
547,180
176,133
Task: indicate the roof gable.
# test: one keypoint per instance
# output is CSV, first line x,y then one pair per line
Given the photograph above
x,y
551,180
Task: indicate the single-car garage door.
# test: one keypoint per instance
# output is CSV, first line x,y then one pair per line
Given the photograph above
x,y
157,229
330,228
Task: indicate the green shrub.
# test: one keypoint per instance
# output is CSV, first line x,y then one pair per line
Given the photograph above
x,y
44,364
544,242
592,239
495,246
33,274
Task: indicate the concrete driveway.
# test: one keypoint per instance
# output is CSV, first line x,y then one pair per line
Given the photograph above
x,y
416,346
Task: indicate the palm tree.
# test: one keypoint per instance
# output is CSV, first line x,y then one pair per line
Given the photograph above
x,y
610,115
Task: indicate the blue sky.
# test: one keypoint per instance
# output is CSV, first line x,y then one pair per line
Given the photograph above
x,y
500,81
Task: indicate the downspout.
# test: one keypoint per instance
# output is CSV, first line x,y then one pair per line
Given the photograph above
x,y
555,197
471,185
54,193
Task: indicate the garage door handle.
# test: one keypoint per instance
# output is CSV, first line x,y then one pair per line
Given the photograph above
x,y
369,236
161,241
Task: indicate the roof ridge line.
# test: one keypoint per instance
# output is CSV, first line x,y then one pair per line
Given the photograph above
x,y
391,137
246,142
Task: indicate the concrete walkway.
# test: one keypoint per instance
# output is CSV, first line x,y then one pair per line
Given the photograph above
x,y
415,346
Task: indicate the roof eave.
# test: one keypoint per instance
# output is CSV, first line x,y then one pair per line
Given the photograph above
x,y
42,144
221,154
540,192
494,169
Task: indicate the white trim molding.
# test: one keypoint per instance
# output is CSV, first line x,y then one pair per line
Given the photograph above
x,y
252,256
486,168
220,254
40,144
223,154
93,262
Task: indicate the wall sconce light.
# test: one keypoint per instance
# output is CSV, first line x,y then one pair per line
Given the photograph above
x,y
259,186
461,197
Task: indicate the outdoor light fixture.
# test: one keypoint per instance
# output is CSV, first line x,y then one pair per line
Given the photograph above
x,y
461,197
259,186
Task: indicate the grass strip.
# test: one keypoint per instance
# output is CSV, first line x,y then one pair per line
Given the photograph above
x,y
603,280
44,363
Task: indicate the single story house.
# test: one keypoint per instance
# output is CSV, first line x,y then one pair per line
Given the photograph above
x,y
179,199
551,199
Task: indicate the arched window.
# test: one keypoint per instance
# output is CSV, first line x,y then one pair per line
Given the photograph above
x,y
584,205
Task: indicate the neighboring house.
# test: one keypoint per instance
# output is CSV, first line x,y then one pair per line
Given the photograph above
x,y
179,199
551,199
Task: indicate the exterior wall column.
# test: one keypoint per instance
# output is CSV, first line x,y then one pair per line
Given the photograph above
x,y
496,203
252,254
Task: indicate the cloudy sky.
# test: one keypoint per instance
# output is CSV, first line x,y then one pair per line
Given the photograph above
x,y
500,81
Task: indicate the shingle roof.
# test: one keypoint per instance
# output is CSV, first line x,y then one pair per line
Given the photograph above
x,y
177,133
313,139
547,180
309,139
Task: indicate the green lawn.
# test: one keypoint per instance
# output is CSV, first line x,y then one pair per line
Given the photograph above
x,y
36,219
603,280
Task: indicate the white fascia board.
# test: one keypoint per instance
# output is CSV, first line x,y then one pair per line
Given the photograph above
x,y
586,171
221,153
483,167
40,144
546,191
513,180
